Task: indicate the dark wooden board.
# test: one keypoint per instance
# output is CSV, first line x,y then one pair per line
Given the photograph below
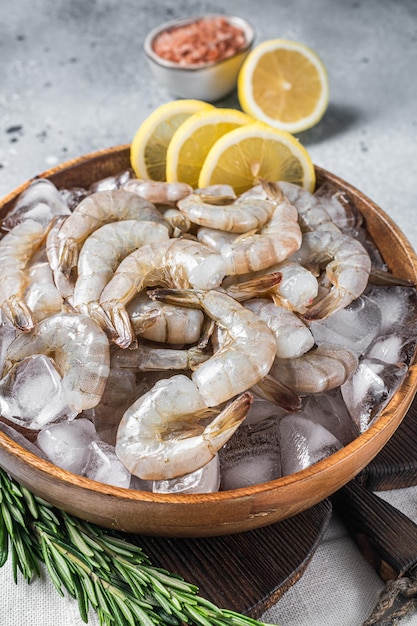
x,y
385,536
245,572
395,466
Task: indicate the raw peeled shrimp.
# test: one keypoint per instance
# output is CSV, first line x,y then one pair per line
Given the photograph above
x,y
312,211
101,254
147,358
320,369
296,290
238,216
179,222
173,324
277,240
16,249
292,336
94,211
64,283
80,350
248,346
159,436
214,238
42,295
158,192
179,263
347,266
220,190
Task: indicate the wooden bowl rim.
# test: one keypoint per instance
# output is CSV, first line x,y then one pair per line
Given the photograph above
x,y
401,399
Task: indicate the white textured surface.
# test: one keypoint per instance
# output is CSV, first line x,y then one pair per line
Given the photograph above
x,y
73,79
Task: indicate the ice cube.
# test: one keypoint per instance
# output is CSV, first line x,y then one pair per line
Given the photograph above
x,y
140,485
8,332
116,398
112,182
303,443
67,444
204,480
370,389
251,456
393,349
354,327
31,393
104,466
398,307
329,410
340,208
72,197
20,439
41,201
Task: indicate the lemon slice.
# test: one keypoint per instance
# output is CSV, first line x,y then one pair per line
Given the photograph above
x,y
285,84
150,143
193,139
246,154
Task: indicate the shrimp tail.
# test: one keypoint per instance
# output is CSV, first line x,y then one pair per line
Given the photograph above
x,y
145,320
183,297
19,313
272,190
68,256
217,200
325,306
219,431
275,391
207,331
251,288
118,326
384,278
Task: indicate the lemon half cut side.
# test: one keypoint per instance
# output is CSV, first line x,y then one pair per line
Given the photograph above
x,y
285,84
193,139
150,143
254,151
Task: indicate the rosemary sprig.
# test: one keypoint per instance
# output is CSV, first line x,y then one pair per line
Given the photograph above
x,y
100,569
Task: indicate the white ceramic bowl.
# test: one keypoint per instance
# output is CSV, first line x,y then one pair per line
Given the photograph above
x,y
209,82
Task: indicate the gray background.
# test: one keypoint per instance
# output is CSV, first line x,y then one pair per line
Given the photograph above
x,y
73,79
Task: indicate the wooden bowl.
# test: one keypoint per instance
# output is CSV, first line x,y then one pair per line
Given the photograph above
x,y
228,511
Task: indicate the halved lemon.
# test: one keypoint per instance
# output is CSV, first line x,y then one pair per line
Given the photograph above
x,y
285,84
193,139
246,154
150,143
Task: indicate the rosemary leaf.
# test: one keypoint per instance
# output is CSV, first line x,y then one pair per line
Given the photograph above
x,y
50,566
170,580
101,596
162,601
140,614
7,518
77,539
82,597
31,503
88,587
198,618
4,540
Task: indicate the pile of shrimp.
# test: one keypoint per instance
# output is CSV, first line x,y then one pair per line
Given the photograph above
x,y
211,293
